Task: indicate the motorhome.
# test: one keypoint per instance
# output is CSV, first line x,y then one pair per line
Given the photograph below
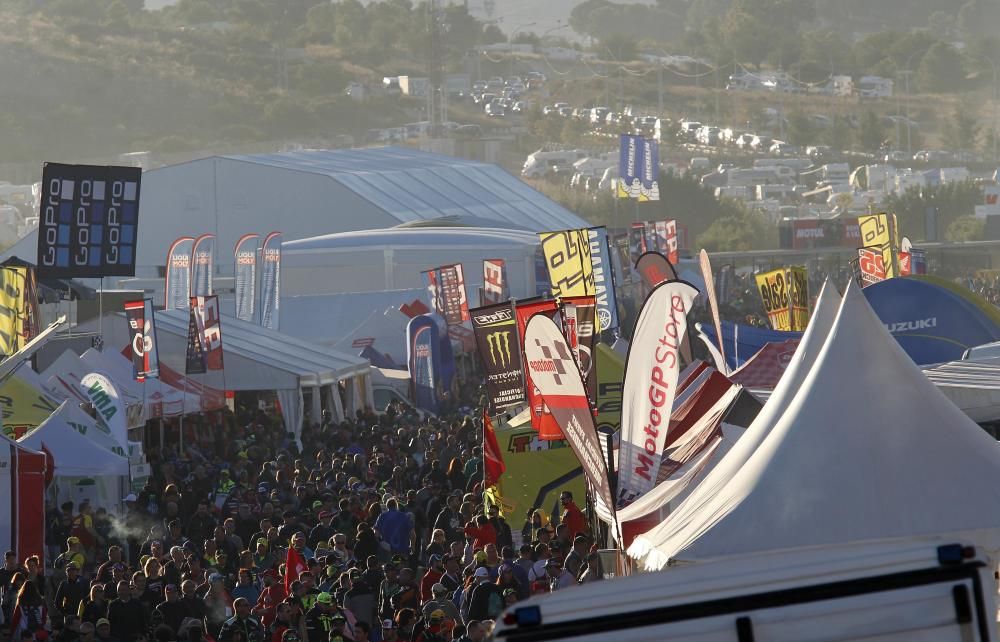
x,y
540,163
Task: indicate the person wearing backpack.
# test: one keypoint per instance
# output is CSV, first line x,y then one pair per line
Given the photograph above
x,y
486,601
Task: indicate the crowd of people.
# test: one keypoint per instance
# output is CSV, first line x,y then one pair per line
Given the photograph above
x,y
372,529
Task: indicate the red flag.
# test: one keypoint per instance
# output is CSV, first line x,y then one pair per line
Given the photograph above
x,y
294,565
492,457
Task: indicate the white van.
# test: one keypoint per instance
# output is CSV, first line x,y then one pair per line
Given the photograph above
x,y
540,163
891,591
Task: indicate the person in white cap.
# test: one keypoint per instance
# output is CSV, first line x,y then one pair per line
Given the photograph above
x,y
485,600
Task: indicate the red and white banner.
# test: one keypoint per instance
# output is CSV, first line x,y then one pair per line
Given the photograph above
x,y
651,372
871,266
541,418
494,281
206,314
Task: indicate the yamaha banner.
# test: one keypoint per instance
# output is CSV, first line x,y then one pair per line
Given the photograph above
x,y
494,281
142,339
245,273
209,324
496,338
422,338
202,265
604,284
88,220
270,280
630,164
177,291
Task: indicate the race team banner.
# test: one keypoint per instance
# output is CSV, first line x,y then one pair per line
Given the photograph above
x,y
541,419
579,321
270,281
551,366
654,268
604,281
195,360
496,339
785,293
422,338
871,269
651,371
455,299
568,260
650,172
202,265
88,219
142,339
637,242
630,164
177,290
494,281
15,309
209,323
877,234
245,272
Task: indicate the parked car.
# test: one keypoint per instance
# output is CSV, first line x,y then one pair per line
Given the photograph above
x,y
495,110
743,141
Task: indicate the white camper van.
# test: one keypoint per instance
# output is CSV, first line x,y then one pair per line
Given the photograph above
x,y
889,591
540,163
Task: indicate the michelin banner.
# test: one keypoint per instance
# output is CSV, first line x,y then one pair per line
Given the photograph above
x,y
496,338
245,271
650,175
630,163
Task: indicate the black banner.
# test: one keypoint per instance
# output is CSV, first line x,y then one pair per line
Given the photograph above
x,y
88,221
495,328
196,361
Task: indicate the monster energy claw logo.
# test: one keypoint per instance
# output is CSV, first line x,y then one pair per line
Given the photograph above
x,y
499,343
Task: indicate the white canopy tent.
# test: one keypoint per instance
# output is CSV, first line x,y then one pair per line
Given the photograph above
x,y
159,399
867,449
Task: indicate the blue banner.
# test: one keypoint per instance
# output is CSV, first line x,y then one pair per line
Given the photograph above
x,y
542,284
245,273
604,284
202,265
270,280
630,161
422,347
650,174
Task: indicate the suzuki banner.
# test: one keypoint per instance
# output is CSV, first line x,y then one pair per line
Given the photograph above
x,y
177,289
422,339
579,314
145,359
270,281
551,365
496,338
245,276
651,371
541,419
604,281
785,293
568,259
494,281
203,265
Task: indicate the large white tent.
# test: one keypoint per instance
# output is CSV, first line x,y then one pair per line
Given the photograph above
x,y
867,449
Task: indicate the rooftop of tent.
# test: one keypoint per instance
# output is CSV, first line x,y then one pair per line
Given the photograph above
x,y
418,237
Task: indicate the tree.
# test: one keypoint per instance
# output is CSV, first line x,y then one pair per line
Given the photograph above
x,y
801,130
966,228
839,134
962,130
747,36
739,229
941,69
951,201
619,47
871,133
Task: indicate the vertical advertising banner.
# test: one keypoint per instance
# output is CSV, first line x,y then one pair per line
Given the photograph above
x,y
142,339
918,261
541,419
870,267
452,288
654,268
651,371
876,234
671,247
604,282
713,301
568,260
421,358
245,273
14,308
551,365
579,322
494,281
637,242
435,295
202,265
107,403
785,294
630,163
499,350
270,281
650,175
195,361
542,285
177,290
209,323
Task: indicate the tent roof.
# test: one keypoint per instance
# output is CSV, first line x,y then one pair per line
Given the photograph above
x,y
415,237
161,399
74,454
764,369
868,449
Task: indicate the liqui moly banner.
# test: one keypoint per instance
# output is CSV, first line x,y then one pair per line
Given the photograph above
x,y
604,283
551,366
245,271
270,280
649,189
202,265
178,285
209,325
142,339
496,338
541,419
422,338
630,163
579,325
494,281
650,384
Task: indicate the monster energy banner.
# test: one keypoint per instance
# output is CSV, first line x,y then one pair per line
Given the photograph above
x,y
496,337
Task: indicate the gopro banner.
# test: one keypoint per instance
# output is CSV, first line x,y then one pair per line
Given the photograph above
x,y
209,326
202,264
88,220
496,338
494,281
270,281
145,359
177,291
422,361
630,163
568,260
604,283
246,276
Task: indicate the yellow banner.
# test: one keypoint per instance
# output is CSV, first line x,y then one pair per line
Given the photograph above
x,y
13,315
24,408
785,293
567,257
877,233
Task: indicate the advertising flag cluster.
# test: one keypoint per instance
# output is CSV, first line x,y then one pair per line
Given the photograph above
x,y
142,339
604,283
638,168
541,419
202,265
579,319
494,281
177,290
879,233
499,350
245,272
785,294
651,372
568,260
270,280
422,340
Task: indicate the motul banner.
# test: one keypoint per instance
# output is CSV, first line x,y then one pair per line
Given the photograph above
x,y
270,281
177,290
579,323
651,371
551,366
567,258
541,419
145,359
202,265
245,273
496,338
494,281
604,282
208,321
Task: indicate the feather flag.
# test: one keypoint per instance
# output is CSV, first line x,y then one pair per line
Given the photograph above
x,y
493,465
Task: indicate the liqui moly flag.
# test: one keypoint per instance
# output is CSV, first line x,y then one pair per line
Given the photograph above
x,y
494,281
177,290
142,339
202,265
246,276
270,280
650,384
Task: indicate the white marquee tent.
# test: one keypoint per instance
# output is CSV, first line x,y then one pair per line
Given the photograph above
x,y
867,449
